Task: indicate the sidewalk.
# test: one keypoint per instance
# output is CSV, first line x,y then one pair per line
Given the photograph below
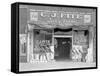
x,y
53,65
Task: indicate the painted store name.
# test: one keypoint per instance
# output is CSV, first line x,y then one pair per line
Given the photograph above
x,y
60,15
49,15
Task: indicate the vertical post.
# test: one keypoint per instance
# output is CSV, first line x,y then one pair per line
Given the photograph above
x,y
29,43
53,44
28,47
72,44
90,50
94,44
53,37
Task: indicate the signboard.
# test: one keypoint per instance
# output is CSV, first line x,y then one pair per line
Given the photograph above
x,y
59,17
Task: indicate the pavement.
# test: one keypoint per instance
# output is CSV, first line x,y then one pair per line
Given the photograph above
x,y
54,65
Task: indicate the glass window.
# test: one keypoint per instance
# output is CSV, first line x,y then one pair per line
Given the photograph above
x,y
42,40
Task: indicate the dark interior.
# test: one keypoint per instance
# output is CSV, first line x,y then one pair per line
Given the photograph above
x,y
62,50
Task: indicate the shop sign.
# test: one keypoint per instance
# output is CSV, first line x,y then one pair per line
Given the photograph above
x,y
59,16
43,42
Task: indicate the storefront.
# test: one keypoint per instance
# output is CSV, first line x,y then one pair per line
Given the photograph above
x,y
54,34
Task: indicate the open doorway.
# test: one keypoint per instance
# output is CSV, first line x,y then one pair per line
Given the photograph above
x,y
62,48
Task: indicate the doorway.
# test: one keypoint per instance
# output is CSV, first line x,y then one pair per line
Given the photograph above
x,y
62,48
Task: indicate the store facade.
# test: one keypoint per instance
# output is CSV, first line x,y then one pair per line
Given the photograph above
x,y
58,33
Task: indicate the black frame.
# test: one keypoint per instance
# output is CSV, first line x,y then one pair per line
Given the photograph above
x,y
15,36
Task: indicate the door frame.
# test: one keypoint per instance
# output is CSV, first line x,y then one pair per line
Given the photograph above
x,y
64,36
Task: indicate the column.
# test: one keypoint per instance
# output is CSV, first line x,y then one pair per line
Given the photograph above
x,y
52,47
90,50
29,43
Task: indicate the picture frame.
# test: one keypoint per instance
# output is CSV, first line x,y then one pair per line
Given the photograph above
x,y
52,37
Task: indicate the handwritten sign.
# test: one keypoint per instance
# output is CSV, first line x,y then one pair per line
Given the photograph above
x,y
43,42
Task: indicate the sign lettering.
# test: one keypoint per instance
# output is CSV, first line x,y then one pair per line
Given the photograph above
x,y
60,17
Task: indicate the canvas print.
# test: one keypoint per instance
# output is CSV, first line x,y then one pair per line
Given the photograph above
x,y
52,37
